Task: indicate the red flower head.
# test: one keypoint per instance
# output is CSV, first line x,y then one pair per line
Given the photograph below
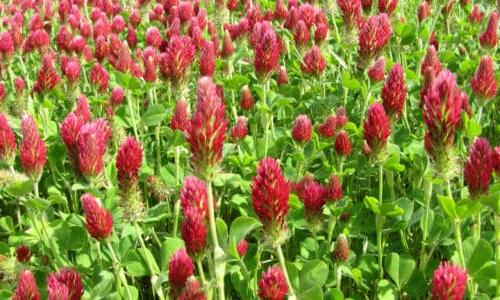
x,y
247,101
483,83
19,85
227,45
240,130
180,269
449,282
479,167
26,287
101,49
185,9
431,60
489,38
68,278
32,152
351,12
6,45
282,76
495,157
341,117
313,62
180,120
314,196
36,40
424,11
376,71
2,92
387,6
91,147
376,129
99,77
280,11
131,37
150,61
128,163
442,106
78,44
71,69
242,247
99,221
343,145
328,127
177,58
292,18
7,142
153,37
117,96
208,128
194,195
301,34
433,41
272,285
301,130
47,77
123,62
476,15
334,189
118,24
341,251
321,33
270,192
374,34
266,49
207,59
192,291
394,92
194,231
23,253
63,39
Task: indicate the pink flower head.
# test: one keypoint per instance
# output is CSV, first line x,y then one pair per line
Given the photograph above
x,y
78,44
424,11
242,247
135,17
328,127
208,128
227,45
351,12
341,250
19,85
334,189
98,219
476,15
207,59
153,37
128,163
71,69
313,62
63,39
302,128
301,34
479,167
449,282
6,45
7,142
343,145
101,49
36,40
272,285
131,37
23,253
32,152
377,70
321,33
394,92
177,58
483,83
193,195
270,192
282,76
314,196
194,231
26,287
192,291
123,62
374,35
240,130
180,120
387,6
489,38
376,129
280,10
247,101
118,24
433,41
91,147
292,18
180,269
99,77
431,60
117,96
70,279
47,77
2,92
266,49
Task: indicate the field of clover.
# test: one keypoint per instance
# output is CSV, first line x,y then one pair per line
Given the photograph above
x,y
249,149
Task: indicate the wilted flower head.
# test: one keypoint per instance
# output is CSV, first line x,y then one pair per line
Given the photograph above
x,y
33,151
313,62
423,11
476,15
91,147
394,92
98,219
23,253
376,128
387,6
193,194
192,291
128,163
266,49
68,278
449,282
341,250
351,12
7,142
175,61
302,128
194,231
377,70
479,167
270,192
374,34
489,38
26,287
239,130
208,128
207,59
343,145
272,285
180,269
483,83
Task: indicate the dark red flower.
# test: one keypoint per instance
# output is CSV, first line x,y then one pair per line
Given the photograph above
x,y
180,269
26,287
351,12
394,92
314,196
194,231
68,278
33,151
98,219
341,250
272,285
23,253
280,11
99,77
489,37
302,128
377,70
101,49
334,188
247,101
6,45
387,6
328,127
343,145
374,35
266,49
301,34
433,41
36,40
180,119
153,37
239,130
431,60
242,247
449,282
47,77
313,62
476,15
207,59
227,45
91,147
376,128
7,142
292,18
192,291
128,163
193,194
483,83
175,61
424,11
479,167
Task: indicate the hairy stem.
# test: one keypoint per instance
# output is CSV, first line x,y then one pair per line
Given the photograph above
x,y
281,259
380,221
119,274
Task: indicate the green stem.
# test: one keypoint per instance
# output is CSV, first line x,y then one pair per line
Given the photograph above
x,y
316,244
338,276
497,251
132,114
119,274
200,271
218,252
158,150
281,259
380,220
427,200
267,120
331,228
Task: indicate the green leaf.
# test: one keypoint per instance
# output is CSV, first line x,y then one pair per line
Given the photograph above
x,y
168,248
313,273
400,268
477,255
386,290
242,226
448,205
7,224
334,294
19,188
314,293
222,232
37,204
372,204
104,285
391,210
350,83
473,129
136,265
154,115
236,82
467,208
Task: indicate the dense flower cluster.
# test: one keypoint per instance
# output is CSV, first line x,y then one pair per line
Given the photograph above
x,y
32,151
98,220
479,167
272,285
376,130
449,282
